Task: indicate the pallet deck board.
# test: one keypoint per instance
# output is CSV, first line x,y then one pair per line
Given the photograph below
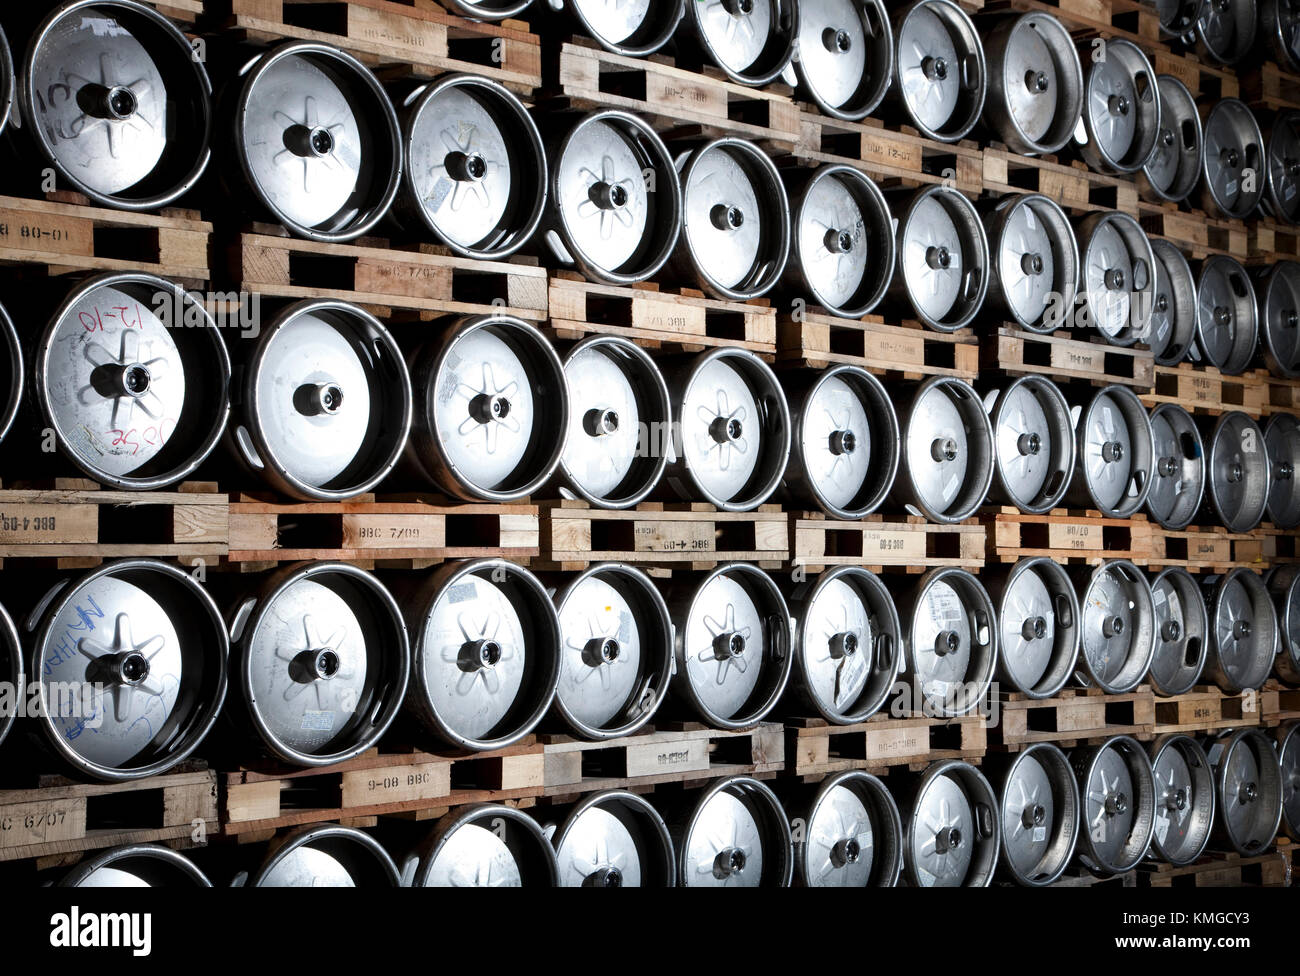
x,y
890,155
817,339
1203,389
71,522
420,280
669,96
1073,715
1072,184
385,530
64,817
661,755
418,39
876,542
654,315
575,534
883,741
1061,355
377,783
1206,708
72,236
1067,536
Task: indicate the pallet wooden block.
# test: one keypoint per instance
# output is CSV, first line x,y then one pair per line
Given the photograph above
x,y
89,522
414,38
1206,708
68,236
817,339
1205,390
1059,355
1072,716
1067,536
62,816
376,783
653,315
395,528
816,747
890,155
420,280
573,534
1072,185
875,542
669,754
668,96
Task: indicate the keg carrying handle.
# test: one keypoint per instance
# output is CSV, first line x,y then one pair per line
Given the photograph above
x,y
244,441
239,619
38,611
406,871
562,253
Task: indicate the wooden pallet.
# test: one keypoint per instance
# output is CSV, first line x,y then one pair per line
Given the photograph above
x,y
1059,356
1278,703
1280,395
1072,185
685,534
380,531
1207,82
1068,537
1210,548
270,796
1074,715
654,315
416,38
1193,232
1230,870
667,96
1113,18
890,156
425,280
1204,709
182,11
1205,390
78,523
682,753
817,748
1270,241
61,816
1267,86
65,235
909,350
876,542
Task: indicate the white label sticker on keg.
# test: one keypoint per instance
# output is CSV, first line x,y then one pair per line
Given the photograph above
x,y
105,27
1040,834
945,606
314,720
439,193
1158,597
462,592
